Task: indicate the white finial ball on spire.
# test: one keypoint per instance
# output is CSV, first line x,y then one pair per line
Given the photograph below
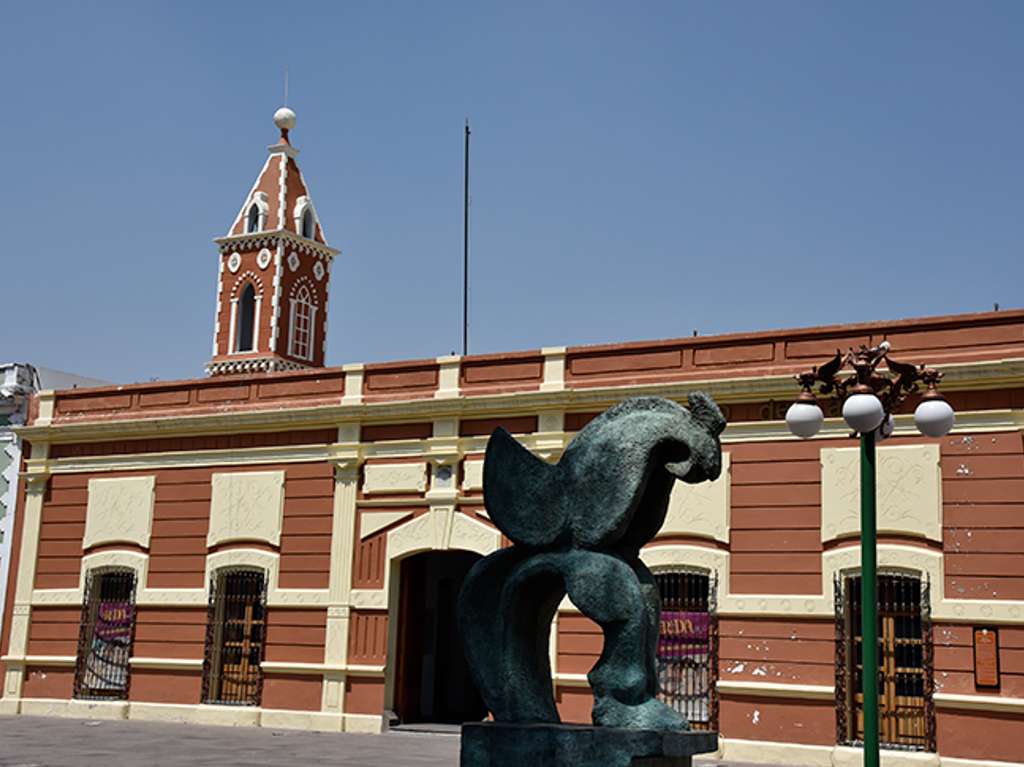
x,y
284,118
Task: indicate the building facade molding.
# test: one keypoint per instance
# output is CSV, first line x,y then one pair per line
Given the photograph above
x,y
975,421
725,390
777,690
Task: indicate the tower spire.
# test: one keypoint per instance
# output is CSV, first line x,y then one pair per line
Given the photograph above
x,y
274,268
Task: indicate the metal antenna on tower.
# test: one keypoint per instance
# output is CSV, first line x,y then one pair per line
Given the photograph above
x,y
285,85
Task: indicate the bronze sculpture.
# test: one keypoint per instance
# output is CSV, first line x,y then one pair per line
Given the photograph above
x,y
577,528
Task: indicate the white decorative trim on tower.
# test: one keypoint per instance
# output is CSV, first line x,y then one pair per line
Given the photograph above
x,y
248,199
245,277
256,323
220,293
243,242
316,217
285,150
231,326
260,200
253,365
327,298
302,204
282,192
275,314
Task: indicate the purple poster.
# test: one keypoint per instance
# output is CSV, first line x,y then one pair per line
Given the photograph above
x,y
683,634
114,622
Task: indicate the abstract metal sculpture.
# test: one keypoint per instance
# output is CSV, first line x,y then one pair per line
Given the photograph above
x,y
577,527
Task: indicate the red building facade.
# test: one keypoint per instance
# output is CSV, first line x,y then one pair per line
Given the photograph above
x,y
282,546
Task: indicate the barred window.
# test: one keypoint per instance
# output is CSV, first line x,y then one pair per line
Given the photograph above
x,y
905,684
235,637
688,646
105,636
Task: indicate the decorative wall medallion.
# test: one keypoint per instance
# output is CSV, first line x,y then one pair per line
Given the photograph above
x,y
909,491
234,262
395,477
701,510
318,270
293,261
119,510
263,259
246,506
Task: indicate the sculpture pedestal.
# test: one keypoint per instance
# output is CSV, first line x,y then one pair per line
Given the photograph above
x,y
492,744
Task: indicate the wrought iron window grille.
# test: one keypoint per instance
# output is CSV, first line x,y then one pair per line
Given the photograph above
x,y
235,638
906,681
688,645
106,636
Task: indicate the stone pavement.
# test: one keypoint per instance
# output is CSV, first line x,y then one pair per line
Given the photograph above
x,y
30,741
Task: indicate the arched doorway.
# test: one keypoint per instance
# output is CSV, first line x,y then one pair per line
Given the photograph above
x,y
432,679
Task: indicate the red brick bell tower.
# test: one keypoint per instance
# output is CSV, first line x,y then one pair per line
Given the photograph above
x,y
275,266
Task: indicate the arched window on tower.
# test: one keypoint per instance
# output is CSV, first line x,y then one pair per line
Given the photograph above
x,y
308,229
253,221
245,323
303,316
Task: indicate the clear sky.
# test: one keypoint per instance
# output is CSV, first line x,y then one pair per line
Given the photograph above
x,y
640,170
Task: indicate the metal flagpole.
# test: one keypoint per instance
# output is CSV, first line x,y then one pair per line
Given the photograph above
x,y
465,246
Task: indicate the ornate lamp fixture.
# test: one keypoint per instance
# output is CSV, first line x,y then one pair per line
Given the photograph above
x,y
870,396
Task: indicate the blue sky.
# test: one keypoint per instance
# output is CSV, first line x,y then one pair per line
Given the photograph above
x,y
640,170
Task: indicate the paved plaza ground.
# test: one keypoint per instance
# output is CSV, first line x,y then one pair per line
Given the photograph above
x,y
29,741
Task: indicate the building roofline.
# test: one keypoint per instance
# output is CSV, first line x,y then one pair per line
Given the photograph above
x,y
843,331
930,322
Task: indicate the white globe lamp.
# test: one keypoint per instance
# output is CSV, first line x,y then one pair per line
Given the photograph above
x,y
863,412
804,418
934,417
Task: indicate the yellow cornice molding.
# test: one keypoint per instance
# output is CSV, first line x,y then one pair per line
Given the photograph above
x,y
974,376
348,456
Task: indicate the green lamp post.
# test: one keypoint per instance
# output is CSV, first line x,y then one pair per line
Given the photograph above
x,y
869,398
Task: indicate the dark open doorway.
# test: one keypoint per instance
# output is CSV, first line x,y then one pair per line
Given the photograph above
x,y
432,680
